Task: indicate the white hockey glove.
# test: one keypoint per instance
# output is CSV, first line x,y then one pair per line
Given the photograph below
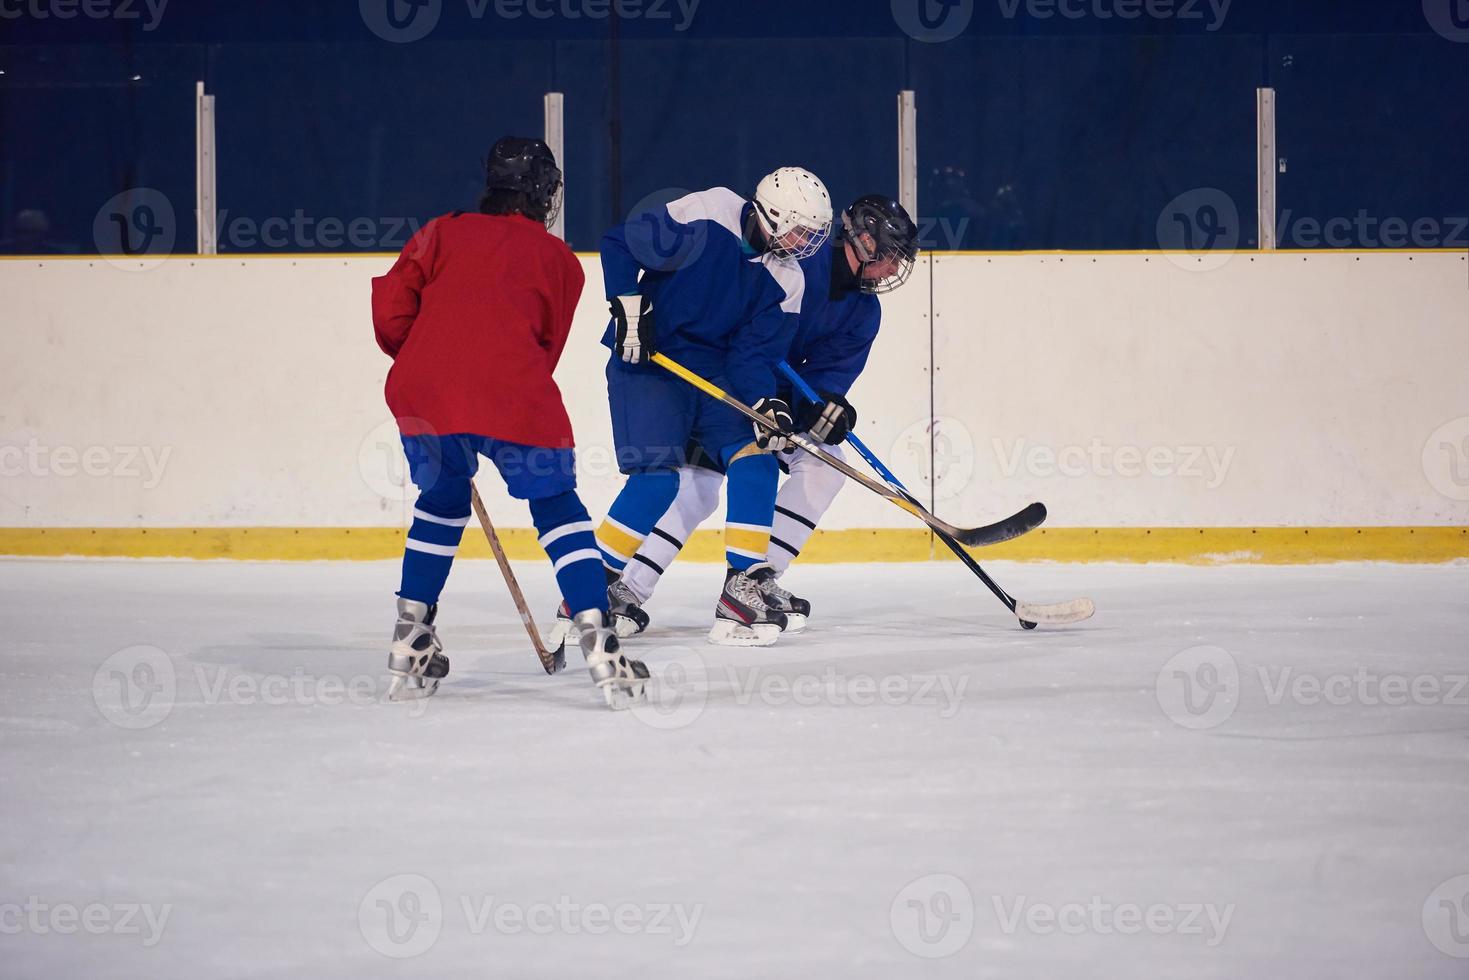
x,y
633,335
780,413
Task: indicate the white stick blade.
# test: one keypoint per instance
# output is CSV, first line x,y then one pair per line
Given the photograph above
x,y
1056,613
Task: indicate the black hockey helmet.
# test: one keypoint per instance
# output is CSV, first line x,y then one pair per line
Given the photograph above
x,y
519,165
880,232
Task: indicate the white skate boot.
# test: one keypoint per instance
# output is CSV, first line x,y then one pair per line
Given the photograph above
x,y
621,678
416,659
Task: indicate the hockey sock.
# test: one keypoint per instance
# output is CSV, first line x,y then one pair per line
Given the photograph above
x,y
803,499
698,496
637,508
752,482
565,531
428,554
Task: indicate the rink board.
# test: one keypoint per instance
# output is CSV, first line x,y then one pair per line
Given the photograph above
x,y
1165,406
1200,546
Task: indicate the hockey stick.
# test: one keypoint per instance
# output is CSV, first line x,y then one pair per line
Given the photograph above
x,y
1029,613
551,661
1011,527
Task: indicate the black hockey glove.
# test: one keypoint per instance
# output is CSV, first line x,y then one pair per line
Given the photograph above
x,y
780,413
633,335
829,420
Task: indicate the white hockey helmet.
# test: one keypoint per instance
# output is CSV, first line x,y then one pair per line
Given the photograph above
x,y
795,212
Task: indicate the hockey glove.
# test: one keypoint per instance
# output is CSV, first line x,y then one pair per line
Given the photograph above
x,y
633,335
829,420
780,413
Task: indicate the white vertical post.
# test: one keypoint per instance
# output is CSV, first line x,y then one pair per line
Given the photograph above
x,y
1265,157
908,151
556,140
205,178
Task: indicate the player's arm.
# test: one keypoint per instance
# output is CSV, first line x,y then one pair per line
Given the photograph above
x,y
651,240
755,349
832,369
396,295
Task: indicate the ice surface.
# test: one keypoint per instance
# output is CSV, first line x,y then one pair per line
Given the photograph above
x,y
1025,802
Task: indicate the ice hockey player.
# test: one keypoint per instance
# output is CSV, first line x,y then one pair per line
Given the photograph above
x,y
475,314
873,252
714,282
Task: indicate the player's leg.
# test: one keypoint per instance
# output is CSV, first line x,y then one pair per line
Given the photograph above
x,y
697,499
652,417
441,468
803,499
546,478
741,616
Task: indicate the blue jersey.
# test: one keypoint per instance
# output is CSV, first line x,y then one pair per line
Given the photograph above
x,y
719,308
835,334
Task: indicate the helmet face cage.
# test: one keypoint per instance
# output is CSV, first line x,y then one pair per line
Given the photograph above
x,y
877,236
792,236
554,196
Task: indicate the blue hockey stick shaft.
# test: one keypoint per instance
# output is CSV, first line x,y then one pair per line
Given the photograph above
x,y
809,393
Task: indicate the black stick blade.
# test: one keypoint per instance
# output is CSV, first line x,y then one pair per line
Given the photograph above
x,y
1010,528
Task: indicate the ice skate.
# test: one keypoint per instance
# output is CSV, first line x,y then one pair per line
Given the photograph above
x,y
621,679
556,637
627,616
416,660
742,618
796,609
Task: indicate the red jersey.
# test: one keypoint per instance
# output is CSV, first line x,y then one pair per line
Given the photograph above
x,y
475,314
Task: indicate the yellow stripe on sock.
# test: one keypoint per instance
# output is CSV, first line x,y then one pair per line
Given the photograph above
x,y
618,541
751,450
747,541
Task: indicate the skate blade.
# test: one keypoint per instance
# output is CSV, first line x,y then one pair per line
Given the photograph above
x,y
795,623
620,697
624,627
408,687
730,634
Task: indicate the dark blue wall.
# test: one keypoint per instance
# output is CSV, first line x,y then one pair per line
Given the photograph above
x,y
1034,131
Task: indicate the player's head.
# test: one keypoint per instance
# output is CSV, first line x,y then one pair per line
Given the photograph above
x,y
882,240
794,212
521,177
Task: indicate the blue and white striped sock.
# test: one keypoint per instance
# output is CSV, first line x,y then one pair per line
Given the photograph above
x,y
568,536
428,554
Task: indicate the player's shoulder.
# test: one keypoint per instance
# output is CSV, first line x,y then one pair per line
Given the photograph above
x,y
717,204
789,276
